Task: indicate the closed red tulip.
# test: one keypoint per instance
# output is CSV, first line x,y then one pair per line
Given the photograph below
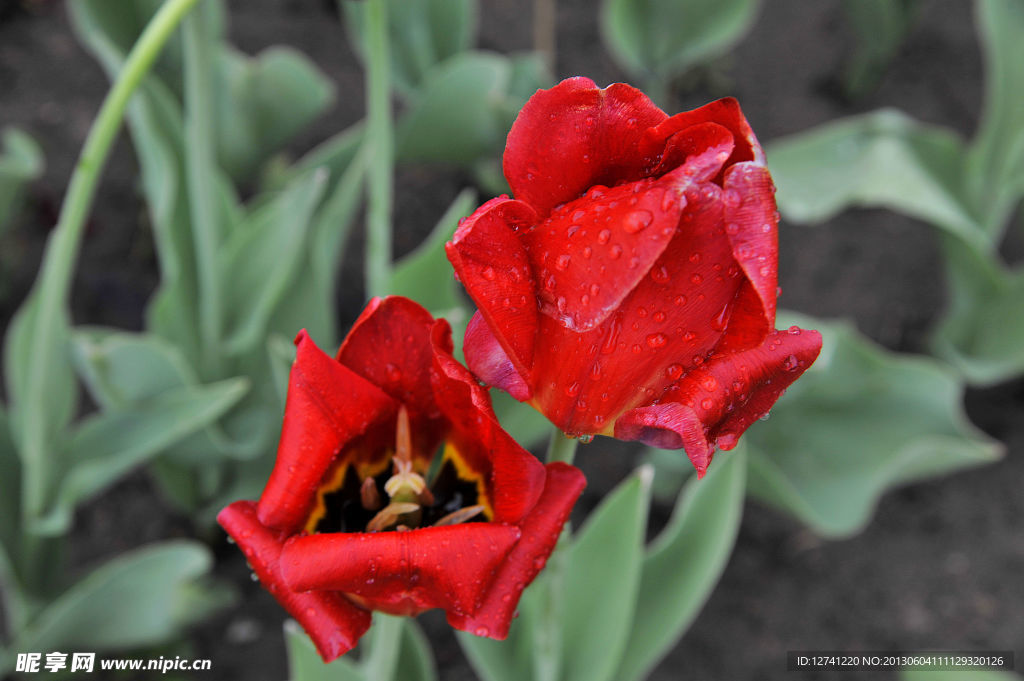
x,y
395,489
629,287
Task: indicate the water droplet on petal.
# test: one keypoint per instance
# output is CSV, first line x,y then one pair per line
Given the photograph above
x,y
659,317
660,274
696,279
731,198
562,263
793,330
674,371
637,349
695,257
637,221
587,252
709,383
482,631
790,363
616,251
657,340
707,404
572,390
680,300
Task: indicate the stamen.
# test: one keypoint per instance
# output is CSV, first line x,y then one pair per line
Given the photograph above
x,y
389,515
403,440
405,479
369,497
460,516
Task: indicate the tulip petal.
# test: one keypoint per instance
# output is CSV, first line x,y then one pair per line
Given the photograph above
x,y
751,224
541,530
515,478
489,361
725,112
493,266
715,404
328,406
574,136
332,621
389,346
407,572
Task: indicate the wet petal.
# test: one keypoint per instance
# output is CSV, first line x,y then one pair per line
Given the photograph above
x,y
332,621
493,266
446,567
713,405
541,530
574,136
489,361
328,406
725,112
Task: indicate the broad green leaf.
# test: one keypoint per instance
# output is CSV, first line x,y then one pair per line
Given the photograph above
x,y
415,656
959,675
10,525
860,421
880,159
120,369
21,161
425,275
601,582
281,355
422,34
457,116
511,659
263,258
104,447
880,27
996,157
683,564
982,332
667,37
304,663
262,102
139,598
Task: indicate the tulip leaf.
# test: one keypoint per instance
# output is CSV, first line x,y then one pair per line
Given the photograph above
x,y
304,663
21,161
263,258
982,332
139,598
263,102
667,37
880,159
880,27
522,421
996,158
10,523
422,34
425,274
104,447
457,117
595,630
511,659
415,656
683,564
859,421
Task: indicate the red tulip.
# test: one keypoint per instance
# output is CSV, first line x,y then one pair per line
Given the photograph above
x,y
629,288
360,514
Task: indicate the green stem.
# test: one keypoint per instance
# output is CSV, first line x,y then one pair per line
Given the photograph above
x,y
561,448
53,287
380,138
201,179
382,661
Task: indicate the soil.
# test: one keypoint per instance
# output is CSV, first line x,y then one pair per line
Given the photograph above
x,y
939,567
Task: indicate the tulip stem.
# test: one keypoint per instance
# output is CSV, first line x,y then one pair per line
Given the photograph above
x,y
561,447
382,661
380,143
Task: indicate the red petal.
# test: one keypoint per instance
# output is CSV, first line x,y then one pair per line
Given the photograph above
x,y
492,264
446,567
669,323
725,112
541,530
515,478
332,621
389,346
490,363
715,404
574,136
328,405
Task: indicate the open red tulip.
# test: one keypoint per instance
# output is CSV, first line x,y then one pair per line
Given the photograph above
x,y
395,489
629,288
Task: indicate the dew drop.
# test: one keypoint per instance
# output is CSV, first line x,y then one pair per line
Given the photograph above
x,y
595,371
657,340
707,404
674,371
766,228
695,257
587,252
603,236
660,274
689,336
637,349
731,198
720,321
616,251
790,363
572,230
550,283
482,631
637,221
732,229
680,300
578,215
659,317
562,262
696,279
709,383
595,289
572,390
489,274
793,330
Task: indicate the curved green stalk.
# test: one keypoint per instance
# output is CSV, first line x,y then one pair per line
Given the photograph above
x,y
380,139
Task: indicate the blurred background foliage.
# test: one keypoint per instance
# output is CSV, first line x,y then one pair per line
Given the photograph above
x,y
250,242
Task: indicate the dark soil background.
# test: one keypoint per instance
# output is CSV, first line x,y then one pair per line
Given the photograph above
x,y
941,565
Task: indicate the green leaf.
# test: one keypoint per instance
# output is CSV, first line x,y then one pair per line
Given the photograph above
x,y
511,659
982,331
860,421
281,355
21,161
880,159
683,564
263,102
304,663
880,27
422,34
139,598
104,447
425,274
601,582
415,656
458,115
996,157
667,37
521,420
263,258
10,525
